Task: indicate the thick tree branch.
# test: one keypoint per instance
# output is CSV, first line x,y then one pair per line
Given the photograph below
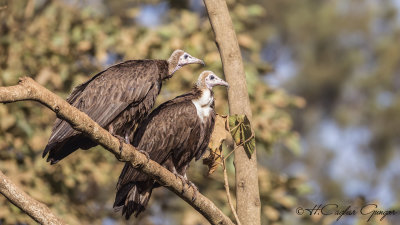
x,y
28,89
38,211
248,203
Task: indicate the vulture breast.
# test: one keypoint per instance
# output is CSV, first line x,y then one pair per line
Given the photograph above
x,y
203,104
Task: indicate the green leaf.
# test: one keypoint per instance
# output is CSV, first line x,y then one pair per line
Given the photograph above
x,y
240,129
234,128
248,137
250,146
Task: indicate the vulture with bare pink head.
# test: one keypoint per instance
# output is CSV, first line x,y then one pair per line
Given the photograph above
x,y
117,99
172,135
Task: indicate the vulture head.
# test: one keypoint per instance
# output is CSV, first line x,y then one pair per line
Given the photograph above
x,y
208,79
178,59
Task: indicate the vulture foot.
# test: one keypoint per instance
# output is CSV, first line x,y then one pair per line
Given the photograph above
x,y
195,189
183,180
194,197
146,154
121,142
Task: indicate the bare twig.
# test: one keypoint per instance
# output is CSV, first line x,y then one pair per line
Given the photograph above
x,y
28,89
38,211
230,130
228,193
238,146
230,153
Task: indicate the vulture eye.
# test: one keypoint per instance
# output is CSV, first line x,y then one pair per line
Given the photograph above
x,y
212,77
185,56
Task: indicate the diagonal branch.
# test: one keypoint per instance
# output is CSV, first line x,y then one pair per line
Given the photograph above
x,y
28,89
38,211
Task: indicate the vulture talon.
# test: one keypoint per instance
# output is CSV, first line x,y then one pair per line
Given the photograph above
x,y
120,148
146,154
121,142
183,180
192,185
194,197
195,189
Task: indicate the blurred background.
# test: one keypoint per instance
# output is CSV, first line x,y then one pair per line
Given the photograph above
x,y
323,78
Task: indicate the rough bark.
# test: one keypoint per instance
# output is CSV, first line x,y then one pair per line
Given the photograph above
x,y
28,89
248,203
38,211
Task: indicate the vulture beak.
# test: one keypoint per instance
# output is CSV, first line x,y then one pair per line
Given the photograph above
x,y
219,81
193,60
223,83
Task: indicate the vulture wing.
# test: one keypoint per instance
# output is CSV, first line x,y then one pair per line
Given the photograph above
x,y
173,126
107,94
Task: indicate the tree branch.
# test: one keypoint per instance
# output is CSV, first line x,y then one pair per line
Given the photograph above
x,y
228,192
38,211
28,89
248,203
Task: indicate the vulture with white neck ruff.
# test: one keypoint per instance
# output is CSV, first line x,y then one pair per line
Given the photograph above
x,y
173,134
117,99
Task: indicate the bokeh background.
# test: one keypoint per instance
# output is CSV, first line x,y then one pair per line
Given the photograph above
x,y
323,78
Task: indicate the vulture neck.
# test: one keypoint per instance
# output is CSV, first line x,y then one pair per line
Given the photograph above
x,y
172,65
203,103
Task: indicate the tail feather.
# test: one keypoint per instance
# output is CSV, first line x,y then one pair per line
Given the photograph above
x,y
133,198
57,151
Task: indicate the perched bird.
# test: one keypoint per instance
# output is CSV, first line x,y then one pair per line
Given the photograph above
x,y
117,99
173,134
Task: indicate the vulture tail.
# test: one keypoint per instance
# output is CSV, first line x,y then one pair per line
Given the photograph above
x,y
59,150
133,198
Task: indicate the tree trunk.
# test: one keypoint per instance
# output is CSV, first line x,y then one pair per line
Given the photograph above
x,y
248,205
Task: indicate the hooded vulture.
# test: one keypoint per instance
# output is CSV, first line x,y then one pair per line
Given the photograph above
x,y
117,99
173,134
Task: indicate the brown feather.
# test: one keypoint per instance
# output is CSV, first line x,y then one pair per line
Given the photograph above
x,y
172,135
121,96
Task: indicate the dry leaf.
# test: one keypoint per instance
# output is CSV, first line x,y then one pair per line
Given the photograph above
x,y
218,136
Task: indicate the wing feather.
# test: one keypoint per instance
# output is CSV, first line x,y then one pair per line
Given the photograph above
x,y
108,94
172,135
167,128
